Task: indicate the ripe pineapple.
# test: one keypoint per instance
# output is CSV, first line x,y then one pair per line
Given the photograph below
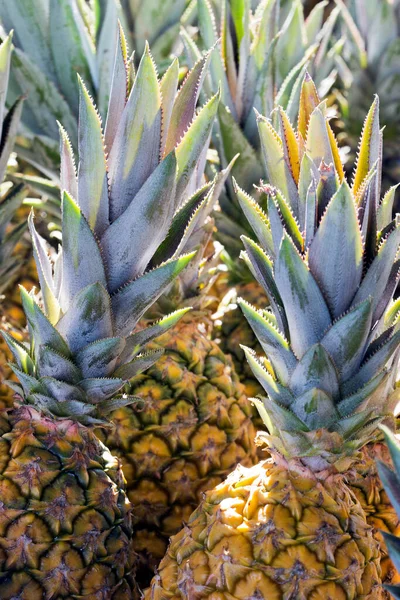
x,y
391,482
67,530
194,424
256,69
292,527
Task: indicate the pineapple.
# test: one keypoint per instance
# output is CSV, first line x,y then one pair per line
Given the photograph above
x,y
391,483
292,526
66,530
194,424
262,60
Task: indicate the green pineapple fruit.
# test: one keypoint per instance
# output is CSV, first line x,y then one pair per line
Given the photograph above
x,y
327,257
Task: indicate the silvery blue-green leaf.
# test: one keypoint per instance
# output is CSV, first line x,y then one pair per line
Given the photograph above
x,y
9,132
29,20
140,363
282,418
45,274
108,406
257,219
314,22
170,244
275,223
389,478
62,391
315,408
131,302
36,86
91,308
40,328
68,180
99,358
192,145
308,174
108,38
119,87
273,342
351,426
351,403
63,408
311,214
20,354
92,167
5,60
185,103
318,145
168,87
306,311
367,215
274,389
338,239
378,274
29,384
71,48
247,170
79,243
52,364
292,40
288,219
137,340
98,389
209,36
278,172
137,144
346,340
151,20
129,243
385,209
373,365
262,268
327,187
315,370
289,92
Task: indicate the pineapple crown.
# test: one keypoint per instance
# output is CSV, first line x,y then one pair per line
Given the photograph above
x,y
12,199
328,260
126,224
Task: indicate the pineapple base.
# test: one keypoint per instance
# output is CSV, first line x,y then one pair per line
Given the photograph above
x,y
276,531
194,428
64,516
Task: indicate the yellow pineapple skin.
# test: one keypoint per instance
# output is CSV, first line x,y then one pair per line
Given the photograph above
x,y
64,517
275,531
194,427
364,481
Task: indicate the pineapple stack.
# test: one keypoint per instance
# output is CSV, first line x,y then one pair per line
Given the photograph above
x,y
327,257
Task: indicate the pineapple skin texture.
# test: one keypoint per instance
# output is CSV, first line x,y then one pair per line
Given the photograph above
x,y
273,532
364,481
64,518
194,427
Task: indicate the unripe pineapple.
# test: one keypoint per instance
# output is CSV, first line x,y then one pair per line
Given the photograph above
x,y
327,257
